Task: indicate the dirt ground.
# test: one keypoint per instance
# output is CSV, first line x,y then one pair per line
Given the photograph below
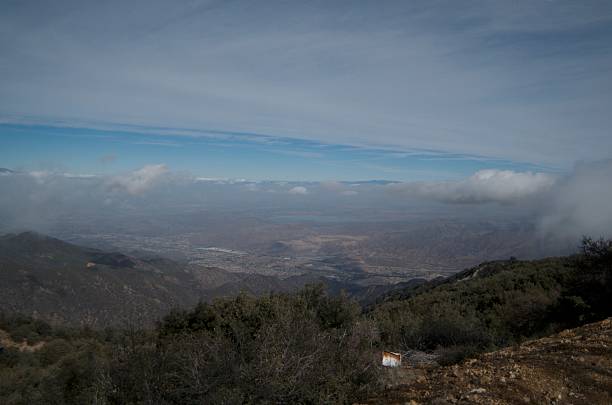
x,y
6,341
572,367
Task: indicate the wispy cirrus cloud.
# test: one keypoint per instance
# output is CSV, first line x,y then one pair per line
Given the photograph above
x,y
524,81
158,143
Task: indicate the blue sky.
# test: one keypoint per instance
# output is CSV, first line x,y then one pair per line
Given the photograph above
x,y
226,155
309,90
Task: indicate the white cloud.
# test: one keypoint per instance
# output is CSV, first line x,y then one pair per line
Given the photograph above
x,y
502,186
349,192
251,187
580,204
299,190
79,176
140,180
40,175
337,187
564,207
37,174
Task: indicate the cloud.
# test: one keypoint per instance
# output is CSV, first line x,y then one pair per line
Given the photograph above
x,y
251,187
298,153
40,175
158,143
580,204
79,175
563,207
349,192
484,186
139,181
525,80
298,190
337,187
334,186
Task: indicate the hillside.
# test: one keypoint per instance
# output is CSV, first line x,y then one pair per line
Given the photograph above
x,y
310,346
46,277
571,367
61,282
497,303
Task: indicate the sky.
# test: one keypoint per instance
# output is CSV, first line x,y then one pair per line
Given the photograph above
x,y
309,90
419,90
223,155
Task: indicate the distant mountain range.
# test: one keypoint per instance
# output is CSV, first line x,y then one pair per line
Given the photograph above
x,y
58,281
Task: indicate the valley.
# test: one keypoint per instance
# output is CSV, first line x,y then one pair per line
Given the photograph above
x,y
366,253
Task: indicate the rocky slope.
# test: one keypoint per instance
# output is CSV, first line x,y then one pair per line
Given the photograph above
x,y
572,367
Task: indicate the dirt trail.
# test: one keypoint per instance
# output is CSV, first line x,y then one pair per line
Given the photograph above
x,y
6,341
572,367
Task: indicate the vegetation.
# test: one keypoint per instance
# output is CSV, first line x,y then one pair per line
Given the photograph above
x,y
307,347
501,303
301,348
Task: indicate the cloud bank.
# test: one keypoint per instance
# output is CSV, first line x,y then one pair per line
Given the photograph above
x,y
561,207
500,186
580,204
565,207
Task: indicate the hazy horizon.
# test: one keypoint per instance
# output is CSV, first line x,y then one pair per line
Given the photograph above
x,y
491,111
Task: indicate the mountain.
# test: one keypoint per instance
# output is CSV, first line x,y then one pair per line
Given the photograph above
x,y
62,282
6,172
478,337
47,277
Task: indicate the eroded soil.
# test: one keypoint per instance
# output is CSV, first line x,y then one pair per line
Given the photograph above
x,y
572,367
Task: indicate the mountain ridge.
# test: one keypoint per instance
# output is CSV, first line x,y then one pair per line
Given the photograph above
x,y
58,281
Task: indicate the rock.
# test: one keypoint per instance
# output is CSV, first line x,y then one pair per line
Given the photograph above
x,y
456,370
451,399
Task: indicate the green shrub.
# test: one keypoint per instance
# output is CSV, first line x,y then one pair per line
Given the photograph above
x,y
54,351
306,347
